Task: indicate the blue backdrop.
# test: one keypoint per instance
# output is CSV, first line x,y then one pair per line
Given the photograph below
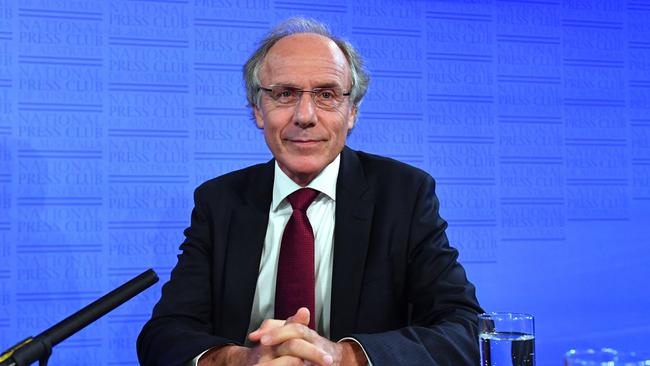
x,y
533,116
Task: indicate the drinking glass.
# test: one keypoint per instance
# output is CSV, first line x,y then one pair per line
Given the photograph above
x,y
633,359
591,357
507,339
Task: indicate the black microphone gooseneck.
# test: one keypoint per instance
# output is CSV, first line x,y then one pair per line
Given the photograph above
x,y
40,348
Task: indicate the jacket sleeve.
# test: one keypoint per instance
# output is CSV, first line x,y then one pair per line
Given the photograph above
x,y
442,327
181,324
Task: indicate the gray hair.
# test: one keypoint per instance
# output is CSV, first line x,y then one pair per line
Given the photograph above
x,y
360,78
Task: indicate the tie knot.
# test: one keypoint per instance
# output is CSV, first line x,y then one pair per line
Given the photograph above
x,y
302,198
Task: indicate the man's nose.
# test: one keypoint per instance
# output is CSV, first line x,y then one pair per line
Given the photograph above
x,y
305,112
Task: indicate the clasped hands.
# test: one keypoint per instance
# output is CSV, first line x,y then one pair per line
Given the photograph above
x,y
287,342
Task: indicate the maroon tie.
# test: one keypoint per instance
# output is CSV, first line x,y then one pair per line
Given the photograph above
x,y
294,286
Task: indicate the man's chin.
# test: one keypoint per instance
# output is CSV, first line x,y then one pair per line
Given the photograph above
x,y
303,171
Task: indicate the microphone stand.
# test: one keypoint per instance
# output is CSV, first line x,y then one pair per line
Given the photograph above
x,y
39,348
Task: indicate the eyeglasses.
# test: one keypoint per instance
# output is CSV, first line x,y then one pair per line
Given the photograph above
x,y
325,98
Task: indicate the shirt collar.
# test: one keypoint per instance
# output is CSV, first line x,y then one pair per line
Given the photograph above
x,y
325,182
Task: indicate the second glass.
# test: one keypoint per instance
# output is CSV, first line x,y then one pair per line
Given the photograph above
x,y
604,357
590,357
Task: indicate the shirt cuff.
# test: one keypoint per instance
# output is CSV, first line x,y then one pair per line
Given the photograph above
x,y
195,360
369,363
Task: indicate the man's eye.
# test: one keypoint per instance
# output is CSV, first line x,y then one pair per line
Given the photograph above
x,y
326,94
285,93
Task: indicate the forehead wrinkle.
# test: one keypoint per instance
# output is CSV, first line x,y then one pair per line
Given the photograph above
x,y
318,54
286,75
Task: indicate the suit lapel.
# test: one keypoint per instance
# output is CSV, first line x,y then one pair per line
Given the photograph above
x,y
354,207
245,242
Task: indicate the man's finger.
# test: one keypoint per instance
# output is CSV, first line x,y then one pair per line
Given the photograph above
x,y
301,316
276,336
282,361
304,350
255,335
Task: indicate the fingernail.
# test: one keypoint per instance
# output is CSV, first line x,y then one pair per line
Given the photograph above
x,y
328,359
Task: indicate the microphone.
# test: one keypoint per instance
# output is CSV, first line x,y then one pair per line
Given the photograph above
x,y
40,348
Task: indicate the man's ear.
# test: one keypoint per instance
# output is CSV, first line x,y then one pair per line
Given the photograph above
x,y
259,119
352,117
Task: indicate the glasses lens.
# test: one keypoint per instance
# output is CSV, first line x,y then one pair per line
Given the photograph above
x,y
284,94
328,97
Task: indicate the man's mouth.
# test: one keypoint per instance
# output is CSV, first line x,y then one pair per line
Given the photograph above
x,y
305,141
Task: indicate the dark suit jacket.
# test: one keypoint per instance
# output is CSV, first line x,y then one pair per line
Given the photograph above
x,y
396,285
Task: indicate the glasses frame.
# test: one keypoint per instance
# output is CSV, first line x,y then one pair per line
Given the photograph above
x,y
314,92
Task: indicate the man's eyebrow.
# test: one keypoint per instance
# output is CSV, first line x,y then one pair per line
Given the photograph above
x,y
326,84
292,85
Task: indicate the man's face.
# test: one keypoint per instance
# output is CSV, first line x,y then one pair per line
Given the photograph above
x,y
304,138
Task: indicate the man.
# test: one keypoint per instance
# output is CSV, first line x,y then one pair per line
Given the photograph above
x,y
385,285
